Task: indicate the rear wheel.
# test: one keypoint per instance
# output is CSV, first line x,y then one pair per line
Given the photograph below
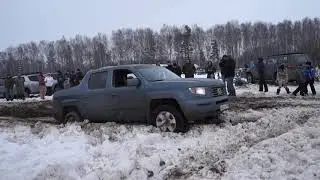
x,y
72,116
168,118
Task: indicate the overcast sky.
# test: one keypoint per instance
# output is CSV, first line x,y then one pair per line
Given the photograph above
x,y
33,20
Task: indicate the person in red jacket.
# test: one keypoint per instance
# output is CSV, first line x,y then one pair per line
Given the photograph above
x,y
42,85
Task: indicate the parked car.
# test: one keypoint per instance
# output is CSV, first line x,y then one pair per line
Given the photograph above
x,y
31,84
290,60
135,93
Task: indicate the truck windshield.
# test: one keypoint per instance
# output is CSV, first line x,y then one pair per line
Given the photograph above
x,y
301,58
157,74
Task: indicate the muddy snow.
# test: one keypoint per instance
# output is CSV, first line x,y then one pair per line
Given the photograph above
x,y
264,136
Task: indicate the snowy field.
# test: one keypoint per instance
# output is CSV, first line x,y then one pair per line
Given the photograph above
x,y
264,136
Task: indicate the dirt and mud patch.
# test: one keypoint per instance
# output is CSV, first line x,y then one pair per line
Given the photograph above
x,y
27,109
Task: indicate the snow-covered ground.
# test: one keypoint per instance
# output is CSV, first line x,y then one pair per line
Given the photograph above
x,y
35,99
264,136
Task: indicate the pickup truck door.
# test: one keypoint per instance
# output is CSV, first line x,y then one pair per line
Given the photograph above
x,y
98,101
130,103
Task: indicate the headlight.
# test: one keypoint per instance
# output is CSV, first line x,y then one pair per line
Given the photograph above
x,y
198,90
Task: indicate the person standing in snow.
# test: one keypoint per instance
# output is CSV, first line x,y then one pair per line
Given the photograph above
x,y
78,77
228,66
310,74
73,79
261,72
301,78
19,82
49,83
8,84
282,78
222,66
170,66
60,79
177,69
66,82
210,70
188,69
42,85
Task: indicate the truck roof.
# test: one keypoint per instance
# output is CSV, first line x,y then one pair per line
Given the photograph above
x,y
135,66
283,54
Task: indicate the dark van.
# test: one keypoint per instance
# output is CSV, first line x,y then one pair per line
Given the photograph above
x,y
290,60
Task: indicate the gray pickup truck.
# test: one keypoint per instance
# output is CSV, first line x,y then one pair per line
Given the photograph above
x,y
141,93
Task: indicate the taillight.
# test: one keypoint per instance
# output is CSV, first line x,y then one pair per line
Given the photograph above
x,y
291,66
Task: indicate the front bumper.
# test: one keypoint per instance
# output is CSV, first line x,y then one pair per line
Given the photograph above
x,y
203,109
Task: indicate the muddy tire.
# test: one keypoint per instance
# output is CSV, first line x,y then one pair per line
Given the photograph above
x,y
72,116
169,118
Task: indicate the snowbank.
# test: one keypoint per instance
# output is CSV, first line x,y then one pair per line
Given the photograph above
x,y
266,143
47,98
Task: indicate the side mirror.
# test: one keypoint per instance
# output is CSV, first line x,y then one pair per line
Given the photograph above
x,y
133,82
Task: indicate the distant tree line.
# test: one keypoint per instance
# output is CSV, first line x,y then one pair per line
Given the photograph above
x,y
244,42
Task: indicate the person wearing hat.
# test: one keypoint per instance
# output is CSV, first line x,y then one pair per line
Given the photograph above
x,y
261,73
19,82
282,78
301,79
42,85
8,84
170,66
228,66
210,70
310,73
189,69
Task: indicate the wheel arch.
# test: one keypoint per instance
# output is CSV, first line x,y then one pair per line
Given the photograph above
x,y
154,103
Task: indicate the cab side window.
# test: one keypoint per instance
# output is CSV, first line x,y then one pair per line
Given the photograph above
x,y
271,61
120,77
98,80
34,78
283,59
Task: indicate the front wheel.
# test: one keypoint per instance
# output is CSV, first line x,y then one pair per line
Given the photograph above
x,y
168,118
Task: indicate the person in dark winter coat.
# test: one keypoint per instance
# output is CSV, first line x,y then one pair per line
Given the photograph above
x,y
189,69
8,85
72,79
228,66
222,65
310,73
282,78
19,82
261,71
302,80
78,77
210,70
177,69
42,85
60,79
170,66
